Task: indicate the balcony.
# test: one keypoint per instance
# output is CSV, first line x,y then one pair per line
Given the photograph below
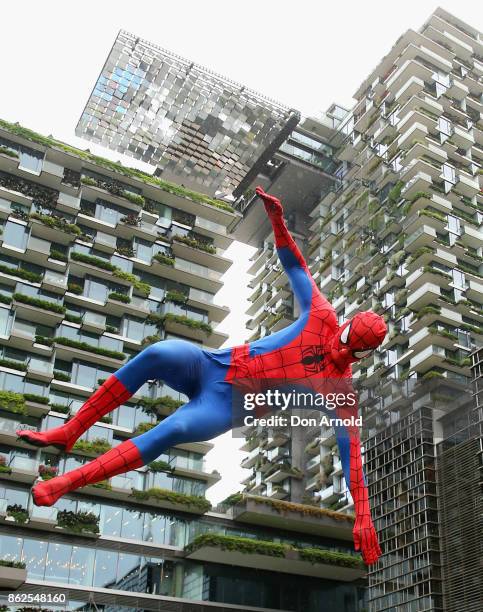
x,y
252,458
93,321
68,203
105,242
330,494
427,358
203,299
23,469
54,281
8,428
12,578
40,369
313,466
42,517
213,230
287,516
275,491
424,295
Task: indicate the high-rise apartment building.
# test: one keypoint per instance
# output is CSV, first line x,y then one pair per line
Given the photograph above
x,y
196,127
97,261
400,233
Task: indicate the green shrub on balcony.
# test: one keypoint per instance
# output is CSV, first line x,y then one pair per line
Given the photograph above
x,y
164,259
468,327
4,468
150,340
38,303
13,365
432,374
58,255
33,277
93,261
5,299
103,484
9,152
233,499
428,310
329,557
18,513
78,522
237,544
196,244
141,286
432,214
97,446
177,297
394,194
119,297
151,406
57,223
143,427
15,564
160,466
135,198
37,399
73,318
88,180
443,332
189,322
281,506
194,502
60,408
12,402
85,346
74,288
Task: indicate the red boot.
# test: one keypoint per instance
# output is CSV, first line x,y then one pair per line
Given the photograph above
x,y
118,460
109,396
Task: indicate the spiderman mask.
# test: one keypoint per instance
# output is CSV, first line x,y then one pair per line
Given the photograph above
x,y
358,337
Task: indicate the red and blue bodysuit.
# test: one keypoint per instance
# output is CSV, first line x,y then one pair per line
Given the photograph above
x,y
313,347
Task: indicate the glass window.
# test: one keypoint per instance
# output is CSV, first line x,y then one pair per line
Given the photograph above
x,y
110,520
10,548
132,524
82,566
459,279
95,289
84,375
454,225
58,562
143,249
449,173
35,557
15,235
105,569
128,567
5,321
31,160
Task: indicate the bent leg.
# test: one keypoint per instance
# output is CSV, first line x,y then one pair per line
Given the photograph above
x,y
175,361
201,419
198,420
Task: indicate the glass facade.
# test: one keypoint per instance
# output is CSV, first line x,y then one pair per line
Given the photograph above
x,y
174,114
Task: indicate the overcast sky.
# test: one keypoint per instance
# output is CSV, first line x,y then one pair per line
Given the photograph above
x,y
305,54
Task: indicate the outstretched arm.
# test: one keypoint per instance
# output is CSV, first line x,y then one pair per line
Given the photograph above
x,y
301,280
365,536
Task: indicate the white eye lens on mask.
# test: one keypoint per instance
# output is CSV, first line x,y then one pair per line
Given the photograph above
x,y
344,337
361,354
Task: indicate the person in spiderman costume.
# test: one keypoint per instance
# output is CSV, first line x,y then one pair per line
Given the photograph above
x,y
313,346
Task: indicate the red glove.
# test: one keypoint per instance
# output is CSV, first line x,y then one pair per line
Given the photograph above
x,y
271,203
365,539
